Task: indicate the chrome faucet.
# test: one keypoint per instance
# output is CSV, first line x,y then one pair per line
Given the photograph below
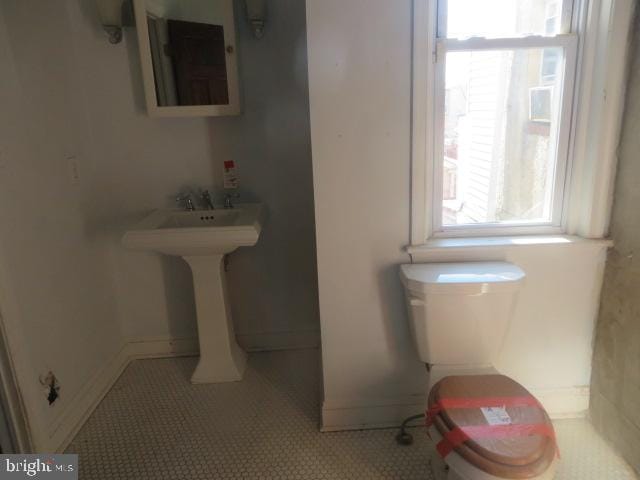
x,y
206,199
187,201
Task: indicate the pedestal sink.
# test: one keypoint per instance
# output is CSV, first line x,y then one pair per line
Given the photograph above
x,y
202,238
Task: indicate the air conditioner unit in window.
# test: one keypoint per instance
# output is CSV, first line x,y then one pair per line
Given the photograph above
x,y
540,104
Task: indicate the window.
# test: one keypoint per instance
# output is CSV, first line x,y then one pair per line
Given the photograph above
x,y
503,78
540,104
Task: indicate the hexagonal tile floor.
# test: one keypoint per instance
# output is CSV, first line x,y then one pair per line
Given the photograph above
x,y
154,424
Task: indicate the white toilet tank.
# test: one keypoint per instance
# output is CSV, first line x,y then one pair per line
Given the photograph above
x,y
460,312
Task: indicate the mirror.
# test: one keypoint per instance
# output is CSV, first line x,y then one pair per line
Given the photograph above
x,y
188,56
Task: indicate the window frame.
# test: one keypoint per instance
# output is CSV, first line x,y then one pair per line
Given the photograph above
x,y
603,51
568,42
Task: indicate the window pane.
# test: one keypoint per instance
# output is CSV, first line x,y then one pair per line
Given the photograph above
x,y
499,18
500,124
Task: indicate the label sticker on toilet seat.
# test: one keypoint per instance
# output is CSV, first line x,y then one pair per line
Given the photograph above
x,y
496,415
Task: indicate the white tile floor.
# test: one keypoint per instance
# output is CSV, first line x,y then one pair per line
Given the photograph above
x,y
155,425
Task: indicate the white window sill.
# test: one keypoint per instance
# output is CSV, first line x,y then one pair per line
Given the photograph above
x,y
483,243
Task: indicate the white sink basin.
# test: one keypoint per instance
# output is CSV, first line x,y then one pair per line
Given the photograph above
x,y
202,232
202,238
224,218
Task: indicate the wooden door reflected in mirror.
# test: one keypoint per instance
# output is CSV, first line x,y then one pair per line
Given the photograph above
x,y
187,49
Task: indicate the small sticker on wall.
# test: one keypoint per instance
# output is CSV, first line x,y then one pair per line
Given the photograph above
x,y
230,178
496,415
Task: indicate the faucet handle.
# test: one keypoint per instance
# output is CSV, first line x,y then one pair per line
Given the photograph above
x,y
228,199
186,200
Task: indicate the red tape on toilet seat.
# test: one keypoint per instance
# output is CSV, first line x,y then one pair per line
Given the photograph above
x,y
460,435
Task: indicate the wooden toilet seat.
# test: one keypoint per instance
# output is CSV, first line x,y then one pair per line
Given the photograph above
x,y
523,446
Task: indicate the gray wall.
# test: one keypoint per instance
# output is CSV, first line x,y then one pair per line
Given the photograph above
x,y
274,284
615,393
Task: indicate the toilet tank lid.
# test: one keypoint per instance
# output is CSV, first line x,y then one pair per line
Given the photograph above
x,y
502,274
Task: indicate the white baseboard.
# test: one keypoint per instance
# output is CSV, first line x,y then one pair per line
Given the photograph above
x,y
84,403
367,413
158,347
568,402
352,414
360,414
258,342
69,422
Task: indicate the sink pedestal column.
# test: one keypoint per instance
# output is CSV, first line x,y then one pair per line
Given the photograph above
x,y
221,359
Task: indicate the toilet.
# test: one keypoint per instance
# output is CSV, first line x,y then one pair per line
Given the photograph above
x,y
486,426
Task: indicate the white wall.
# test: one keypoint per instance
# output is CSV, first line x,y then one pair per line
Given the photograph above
x,y
360,81
57,298
548,347
143,164
147,161
70,295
